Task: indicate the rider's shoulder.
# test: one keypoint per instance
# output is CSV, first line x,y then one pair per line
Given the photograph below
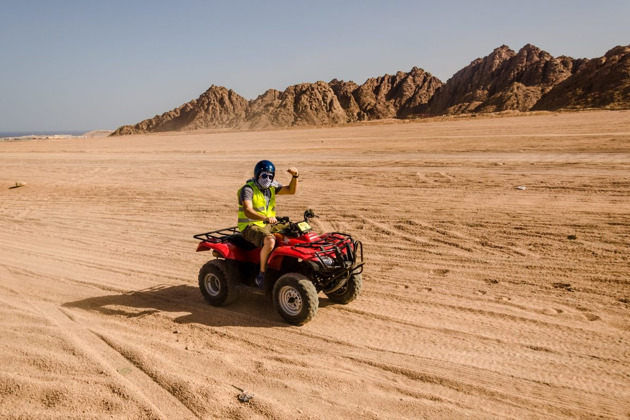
x,y
248,184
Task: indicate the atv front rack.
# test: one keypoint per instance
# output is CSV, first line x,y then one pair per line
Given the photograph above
x,y
338,255
335,243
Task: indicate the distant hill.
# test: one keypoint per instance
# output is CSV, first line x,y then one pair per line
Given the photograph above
x,y
530,79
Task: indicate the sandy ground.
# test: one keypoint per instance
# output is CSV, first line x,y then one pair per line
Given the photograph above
x,y
480,300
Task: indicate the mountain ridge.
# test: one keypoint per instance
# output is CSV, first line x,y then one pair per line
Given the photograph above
x,y
526,80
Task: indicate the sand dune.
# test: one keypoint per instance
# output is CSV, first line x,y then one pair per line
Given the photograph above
x,y
480,300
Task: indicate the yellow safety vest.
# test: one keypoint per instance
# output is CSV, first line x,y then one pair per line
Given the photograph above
x,y
259,205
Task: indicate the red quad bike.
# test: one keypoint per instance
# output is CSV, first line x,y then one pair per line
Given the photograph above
x,y
301,265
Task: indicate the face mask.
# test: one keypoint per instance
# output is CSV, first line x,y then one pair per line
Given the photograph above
x,y
265,180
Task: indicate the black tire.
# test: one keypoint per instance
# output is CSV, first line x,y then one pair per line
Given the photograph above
x,y
216,283
295,298
348,292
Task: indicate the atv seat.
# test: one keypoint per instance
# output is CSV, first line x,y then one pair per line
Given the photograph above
x,y
238,240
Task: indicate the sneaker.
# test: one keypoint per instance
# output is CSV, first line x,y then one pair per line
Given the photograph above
x,y
260,279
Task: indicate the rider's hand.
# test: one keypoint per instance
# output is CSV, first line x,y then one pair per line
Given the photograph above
x,y
271,220
293,171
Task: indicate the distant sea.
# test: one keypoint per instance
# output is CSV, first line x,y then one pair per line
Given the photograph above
x,y
28,135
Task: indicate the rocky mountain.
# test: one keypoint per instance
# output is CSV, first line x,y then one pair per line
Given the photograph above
x,y
504,80
395,96
305,104
217,107
299,105
598,83
530,79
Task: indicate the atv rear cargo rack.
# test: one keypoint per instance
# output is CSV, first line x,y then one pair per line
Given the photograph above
x,y
217,236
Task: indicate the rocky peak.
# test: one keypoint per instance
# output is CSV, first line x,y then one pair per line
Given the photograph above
x,y
299,105
395,96
504,80
217,107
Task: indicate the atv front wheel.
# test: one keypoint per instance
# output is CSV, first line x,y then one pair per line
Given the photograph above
x,y
348,292
216,283
295,298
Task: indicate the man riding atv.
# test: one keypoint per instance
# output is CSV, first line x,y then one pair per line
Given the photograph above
x,y
257,209
278,257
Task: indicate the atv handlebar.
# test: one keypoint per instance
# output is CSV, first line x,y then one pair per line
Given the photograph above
x,y
292,227
308,214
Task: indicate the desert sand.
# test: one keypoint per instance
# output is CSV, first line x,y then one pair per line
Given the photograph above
x,y
480,299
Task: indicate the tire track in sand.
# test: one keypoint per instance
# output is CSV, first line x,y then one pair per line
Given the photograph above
x,y
134,380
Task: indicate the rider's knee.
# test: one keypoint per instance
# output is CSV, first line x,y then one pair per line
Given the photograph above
x,y
270,240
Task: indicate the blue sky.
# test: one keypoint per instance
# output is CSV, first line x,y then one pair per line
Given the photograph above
x,y
88,64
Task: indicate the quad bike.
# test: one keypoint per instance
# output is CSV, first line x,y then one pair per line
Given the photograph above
x,y
301,265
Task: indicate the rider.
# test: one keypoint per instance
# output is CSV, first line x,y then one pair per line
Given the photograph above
x,y
257,209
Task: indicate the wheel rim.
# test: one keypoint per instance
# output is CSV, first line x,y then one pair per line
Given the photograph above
x,y
212,284
290,300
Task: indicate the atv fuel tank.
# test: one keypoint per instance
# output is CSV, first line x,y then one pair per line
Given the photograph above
x,y
306,238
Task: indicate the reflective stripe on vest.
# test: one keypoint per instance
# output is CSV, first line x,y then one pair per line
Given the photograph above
x,y
259,204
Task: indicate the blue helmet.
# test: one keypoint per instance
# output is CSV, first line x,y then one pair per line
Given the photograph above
x,y
264,166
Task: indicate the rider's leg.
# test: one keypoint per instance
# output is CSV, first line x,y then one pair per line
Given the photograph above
x,y
266,249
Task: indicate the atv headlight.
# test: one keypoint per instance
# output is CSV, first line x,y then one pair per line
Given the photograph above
x,y
327,260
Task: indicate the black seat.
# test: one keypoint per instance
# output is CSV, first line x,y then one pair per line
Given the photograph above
x,y
238,240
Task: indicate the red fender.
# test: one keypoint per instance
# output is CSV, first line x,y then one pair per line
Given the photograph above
x,y
230,251
278,254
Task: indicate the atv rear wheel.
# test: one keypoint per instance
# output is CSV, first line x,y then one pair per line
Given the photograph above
x,y
295,298
217,284
348,292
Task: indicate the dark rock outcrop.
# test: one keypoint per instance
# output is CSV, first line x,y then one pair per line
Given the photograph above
x,y
598,83
504,80
395,96
345,95
299,105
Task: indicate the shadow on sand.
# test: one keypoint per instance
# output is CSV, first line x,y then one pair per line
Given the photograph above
x,y
249,310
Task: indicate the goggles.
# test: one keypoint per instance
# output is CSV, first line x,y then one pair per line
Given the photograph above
x,y
266,175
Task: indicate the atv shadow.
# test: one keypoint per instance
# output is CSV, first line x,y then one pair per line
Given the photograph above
x,y
250,310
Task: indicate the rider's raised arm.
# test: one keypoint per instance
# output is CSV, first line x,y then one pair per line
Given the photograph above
x,y
293,185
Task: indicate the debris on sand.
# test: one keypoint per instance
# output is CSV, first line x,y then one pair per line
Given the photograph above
x,y
521,187
245,396
18,184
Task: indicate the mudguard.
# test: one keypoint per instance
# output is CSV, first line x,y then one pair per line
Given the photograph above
x,y
278,254
231,252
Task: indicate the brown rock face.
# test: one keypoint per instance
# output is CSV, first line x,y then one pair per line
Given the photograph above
x,y
299,105
598,83
259,112
345,95
469,87
395,96
217,107
504,80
